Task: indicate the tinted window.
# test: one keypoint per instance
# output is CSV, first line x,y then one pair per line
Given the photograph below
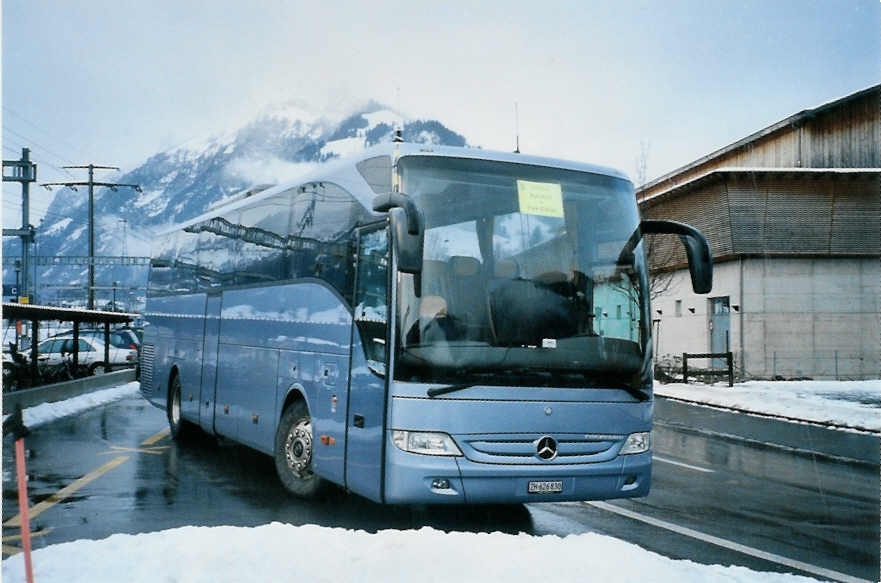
x,y
371,295
303,232
219,246
262,250
161,268
50,346
377,171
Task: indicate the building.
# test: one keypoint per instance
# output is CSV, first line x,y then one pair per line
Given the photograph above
x,y
793,215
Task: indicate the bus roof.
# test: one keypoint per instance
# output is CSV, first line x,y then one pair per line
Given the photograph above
x,y
344,172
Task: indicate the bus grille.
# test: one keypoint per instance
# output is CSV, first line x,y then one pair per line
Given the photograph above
x,y
522,449
148,351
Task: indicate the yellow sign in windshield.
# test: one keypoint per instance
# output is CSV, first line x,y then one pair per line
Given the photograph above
x,y
540,198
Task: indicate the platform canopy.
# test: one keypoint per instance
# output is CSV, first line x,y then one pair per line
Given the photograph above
x,y
13,311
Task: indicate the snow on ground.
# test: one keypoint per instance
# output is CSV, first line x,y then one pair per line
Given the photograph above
x,y
40,414
854,404
282,552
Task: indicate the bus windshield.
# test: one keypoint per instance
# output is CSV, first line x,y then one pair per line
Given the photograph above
x,y
527,279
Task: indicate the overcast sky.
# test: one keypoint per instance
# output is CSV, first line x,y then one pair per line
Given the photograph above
x,y
112,82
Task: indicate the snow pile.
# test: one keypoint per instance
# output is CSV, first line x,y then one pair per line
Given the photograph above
x,y
852,404
281,552
40,414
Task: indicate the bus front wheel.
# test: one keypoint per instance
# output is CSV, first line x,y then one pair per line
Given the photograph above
x,y
293,453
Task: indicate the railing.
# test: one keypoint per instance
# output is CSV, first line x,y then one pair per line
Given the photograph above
x,y
66,390
728,356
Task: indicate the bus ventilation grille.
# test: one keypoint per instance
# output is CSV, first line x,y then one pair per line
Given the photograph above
x,y
148,351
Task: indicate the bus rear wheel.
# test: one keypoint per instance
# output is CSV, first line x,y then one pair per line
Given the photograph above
x,y
293,453
176,424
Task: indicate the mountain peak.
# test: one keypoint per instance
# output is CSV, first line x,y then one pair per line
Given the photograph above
x,y
278,144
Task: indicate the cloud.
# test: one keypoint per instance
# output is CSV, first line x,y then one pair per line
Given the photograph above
x,y
270,170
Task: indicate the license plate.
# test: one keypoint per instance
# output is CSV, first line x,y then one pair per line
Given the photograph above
x,y
551,487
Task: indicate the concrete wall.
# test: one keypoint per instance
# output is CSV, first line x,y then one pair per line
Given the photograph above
x,y
801,317
690,332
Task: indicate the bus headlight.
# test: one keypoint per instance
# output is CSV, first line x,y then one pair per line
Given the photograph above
x,y
425,442
637,443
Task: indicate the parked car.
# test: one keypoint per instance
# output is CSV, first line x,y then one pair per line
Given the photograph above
x,y
120,337
129,334
52,352
134,336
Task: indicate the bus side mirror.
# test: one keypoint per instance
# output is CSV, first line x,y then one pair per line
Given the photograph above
x,y
408,234
700,261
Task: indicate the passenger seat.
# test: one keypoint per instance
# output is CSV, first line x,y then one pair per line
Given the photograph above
x,y
467,301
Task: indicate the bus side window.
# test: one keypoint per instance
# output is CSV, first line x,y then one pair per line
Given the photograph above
x,y
162,265
265,227
371,293
323,216
218,252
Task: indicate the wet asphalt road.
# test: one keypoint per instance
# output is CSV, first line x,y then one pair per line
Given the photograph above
x,y
823,514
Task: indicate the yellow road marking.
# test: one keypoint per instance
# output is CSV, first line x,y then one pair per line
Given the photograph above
x,y
63,493
42,532
10,550
156,450
155,438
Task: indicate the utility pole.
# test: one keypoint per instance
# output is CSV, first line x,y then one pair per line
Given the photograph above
x,y
124,236
24,172
92,184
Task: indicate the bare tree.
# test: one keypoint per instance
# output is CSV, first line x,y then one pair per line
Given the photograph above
x,y
642,163
658,254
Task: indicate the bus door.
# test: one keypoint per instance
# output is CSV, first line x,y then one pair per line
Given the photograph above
x,y
209,362
367,393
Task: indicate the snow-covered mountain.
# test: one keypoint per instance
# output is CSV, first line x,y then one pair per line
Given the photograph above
x,y
278,145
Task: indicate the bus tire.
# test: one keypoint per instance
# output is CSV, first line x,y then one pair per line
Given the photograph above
x,y
178,427
293,453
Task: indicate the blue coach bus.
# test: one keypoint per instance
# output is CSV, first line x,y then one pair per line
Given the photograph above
x,y
419,325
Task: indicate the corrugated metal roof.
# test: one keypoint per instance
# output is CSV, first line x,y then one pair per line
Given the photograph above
x,y
716,172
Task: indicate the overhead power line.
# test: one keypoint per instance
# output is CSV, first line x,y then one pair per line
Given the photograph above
x,y
33,142
92,184
54,138
13,205
21,143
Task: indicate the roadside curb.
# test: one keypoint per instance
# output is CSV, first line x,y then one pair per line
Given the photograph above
x,y
809,438
60,391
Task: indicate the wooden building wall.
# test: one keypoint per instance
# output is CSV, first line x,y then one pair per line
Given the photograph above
x,y
840,135
779,214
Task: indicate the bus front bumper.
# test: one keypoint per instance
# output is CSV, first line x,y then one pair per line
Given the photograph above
x,y
424,479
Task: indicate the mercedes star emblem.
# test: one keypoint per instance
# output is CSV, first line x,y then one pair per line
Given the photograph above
x,y
546,448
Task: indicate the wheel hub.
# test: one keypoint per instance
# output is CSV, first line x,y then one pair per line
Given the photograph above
x,y
175,407
298,448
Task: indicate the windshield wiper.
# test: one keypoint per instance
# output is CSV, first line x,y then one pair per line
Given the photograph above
x,y
449,389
